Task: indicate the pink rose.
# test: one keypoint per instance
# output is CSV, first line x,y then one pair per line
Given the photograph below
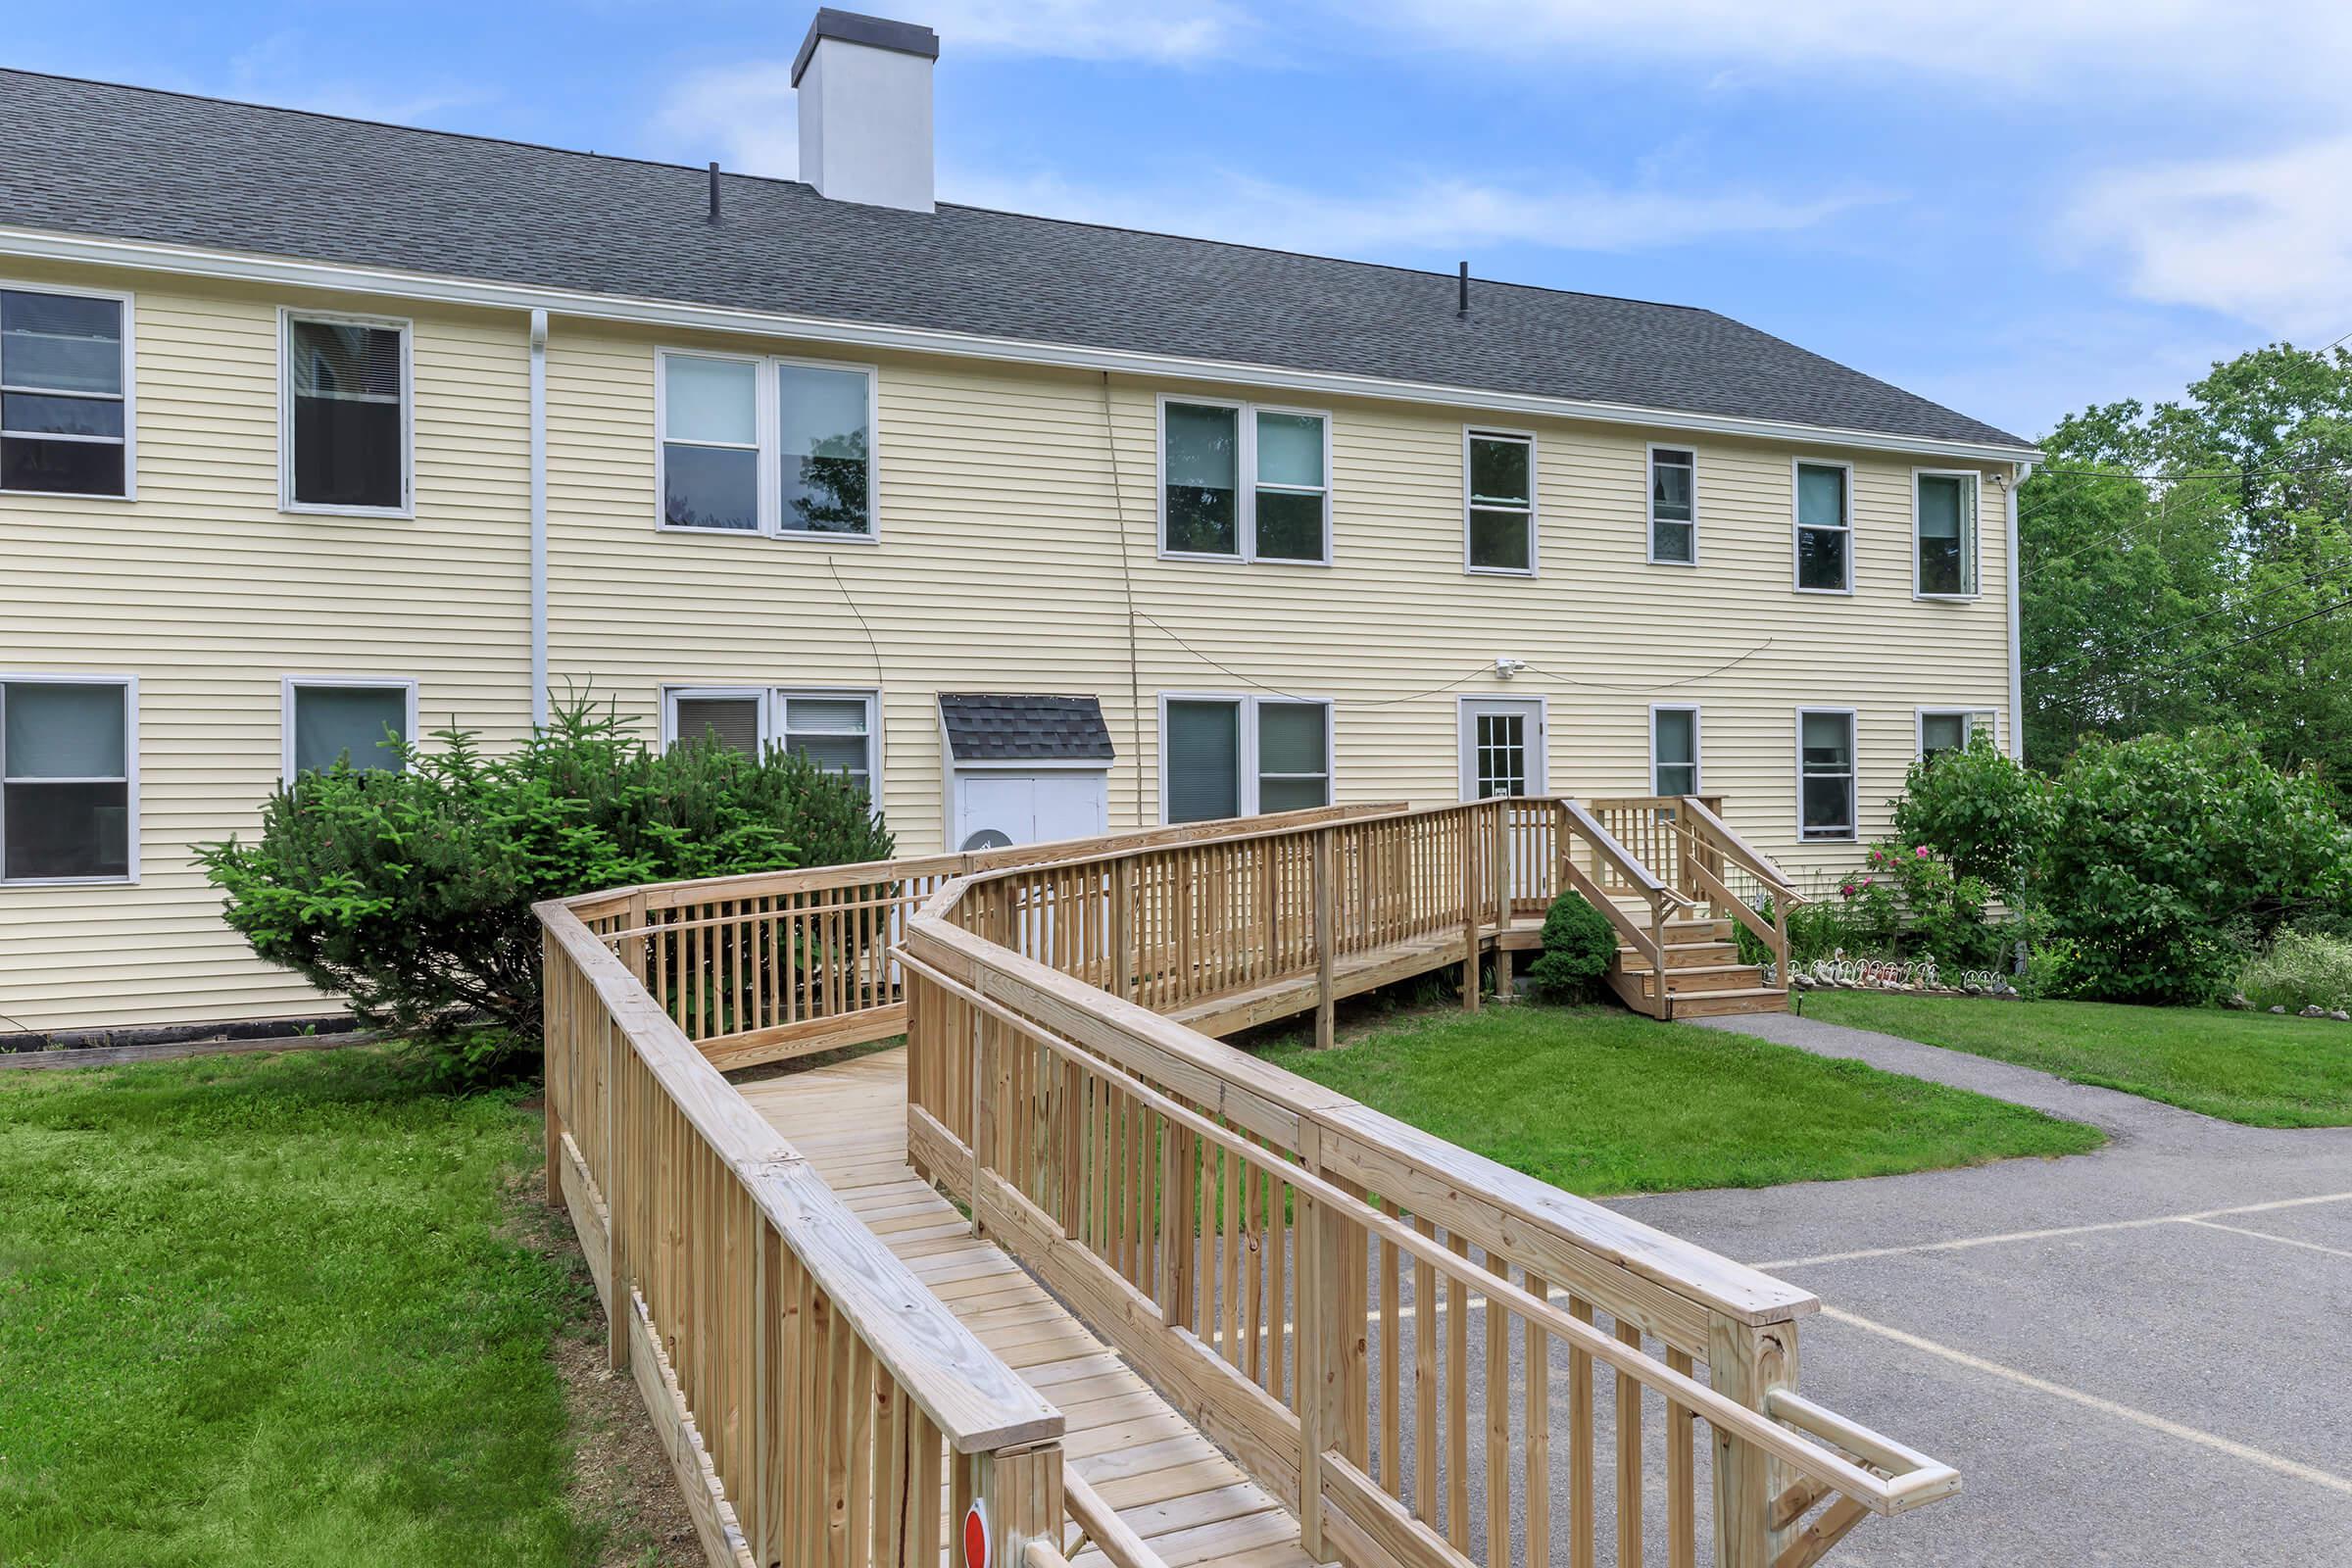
x,y
1920,852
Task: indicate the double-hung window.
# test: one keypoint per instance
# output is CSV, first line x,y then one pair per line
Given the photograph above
x,y
838,730
345,414
1239,482
1824,527
1825,767
1945,730
1674,750
64,393
1498,502
1943,522
1240,756
68,792
1673,506
360,722
766,446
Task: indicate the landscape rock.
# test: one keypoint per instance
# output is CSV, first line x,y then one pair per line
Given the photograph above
x,y
2314,1010
2341,1016
2278,1010
2237,1003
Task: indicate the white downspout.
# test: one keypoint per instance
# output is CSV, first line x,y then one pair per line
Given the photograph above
x,y
2017,649
539,521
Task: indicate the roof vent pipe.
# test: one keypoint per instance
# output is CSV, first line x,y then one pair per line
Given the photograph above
x,y
1461,311
714,191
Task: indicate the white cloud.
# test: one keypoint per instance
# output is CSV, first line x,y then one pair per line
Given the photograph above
x,y
2294,47
2267,237
1436,213
1174,31
281,69
747,116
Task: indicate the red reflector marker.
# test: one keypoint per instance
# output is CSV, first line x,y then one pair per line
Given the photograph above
x,y
975,1537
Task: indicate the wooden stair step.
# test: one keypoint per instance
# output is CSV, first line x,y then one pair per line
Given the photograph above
x,y
1719,1003
1682,955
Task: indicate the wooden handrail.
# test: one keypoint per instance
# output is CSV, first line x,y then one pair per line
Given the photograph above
x,y
1738,849
1619,857
976,1401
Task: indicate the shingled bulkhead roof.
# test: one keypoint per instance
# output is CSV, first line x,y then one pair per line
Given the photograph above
x,y
129,163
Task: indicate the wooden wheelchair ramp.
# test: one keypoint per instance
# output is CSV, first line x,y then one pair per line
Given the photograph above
x,y
1166,1482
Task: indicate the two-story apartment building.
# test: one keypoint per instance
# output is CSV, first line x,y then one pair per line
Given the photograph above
x,y
314,428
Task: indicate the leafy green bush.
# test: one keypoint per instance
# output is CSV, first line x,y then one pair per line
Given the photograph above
x,y
2168,854
1579,946
1989,814
409,893
2300,969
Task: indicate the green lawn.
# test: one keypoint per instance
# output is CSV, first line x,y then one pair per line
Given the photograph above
x,y
263,1310
1601,1102
2249,1067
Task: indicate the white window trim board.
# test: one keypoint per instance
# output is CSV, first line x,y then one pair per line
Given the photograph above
x,y
287,316
1973,541
130,387
288,685
1796,527
1246,754
1698,752
1244,481
1853,746
767,447
1464,743
1535,506
1649,474
130,771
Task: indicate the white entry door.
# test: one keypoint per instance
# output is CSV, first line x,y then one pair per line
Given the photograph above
x,y
1502,746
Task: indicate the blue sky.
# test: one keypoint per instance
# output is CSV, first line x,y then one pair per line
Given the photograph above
x,y
2016,207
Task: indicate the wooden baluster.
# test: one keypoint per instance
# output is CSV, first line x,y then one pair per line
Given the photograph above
x,y
1580,1523
1425,1383
1252,1295
1682,1481
1629,1457
1457,1400
1499,1422
1391,1381
1537,1382
1229,1286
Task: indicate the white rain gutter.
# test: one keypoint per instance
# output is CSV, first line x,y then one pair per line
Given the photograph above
x,y
200,262
2017,649
539,699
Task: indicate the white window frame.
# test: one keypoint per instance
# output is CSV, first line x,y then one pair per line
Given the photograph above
x,y
774,700
291,684
767,428
1698,759
131,391
1649,503
1246,481
1972,541
287,316
129,780
1246,796
1854,773
1535,559
1965,715
1797,525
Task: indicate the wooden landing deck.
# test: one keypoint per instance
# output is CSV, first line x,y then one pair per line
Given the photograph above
x,y
1169,1484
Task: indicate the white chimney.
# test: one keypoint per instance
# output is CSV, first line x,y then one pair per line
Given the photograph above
x,y
865,108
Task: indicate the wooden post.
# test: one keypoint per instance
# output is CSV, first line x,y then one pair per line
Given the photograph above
x,y
1747,1362
1019,1490
1325,938
1470,901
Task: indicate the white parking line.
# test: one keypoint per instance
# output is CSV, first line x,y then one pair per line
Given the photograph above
x,y
2063,1229
2122,1413
2288,1240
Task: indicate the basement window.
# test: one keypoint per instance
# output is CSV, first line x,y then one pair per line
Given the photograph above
x,y
1240,756
346,447
68,791
838,730
64,394
1500,503
1282,514
360,722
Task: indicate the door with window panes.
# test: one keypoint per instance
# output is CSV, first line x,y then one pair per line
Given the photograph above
x,y
1503,748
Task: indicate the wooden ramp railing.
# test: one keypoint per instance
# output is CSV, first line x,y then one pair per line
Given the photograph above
x,y
1306,1278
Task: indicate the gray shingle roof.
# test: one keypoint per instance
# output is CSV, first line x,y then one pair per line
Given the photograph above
x,y
988,727
130,162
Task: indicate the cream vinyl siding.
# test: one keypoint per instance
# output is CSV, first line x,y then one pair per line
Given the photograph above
x,y
211,595
1016,513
